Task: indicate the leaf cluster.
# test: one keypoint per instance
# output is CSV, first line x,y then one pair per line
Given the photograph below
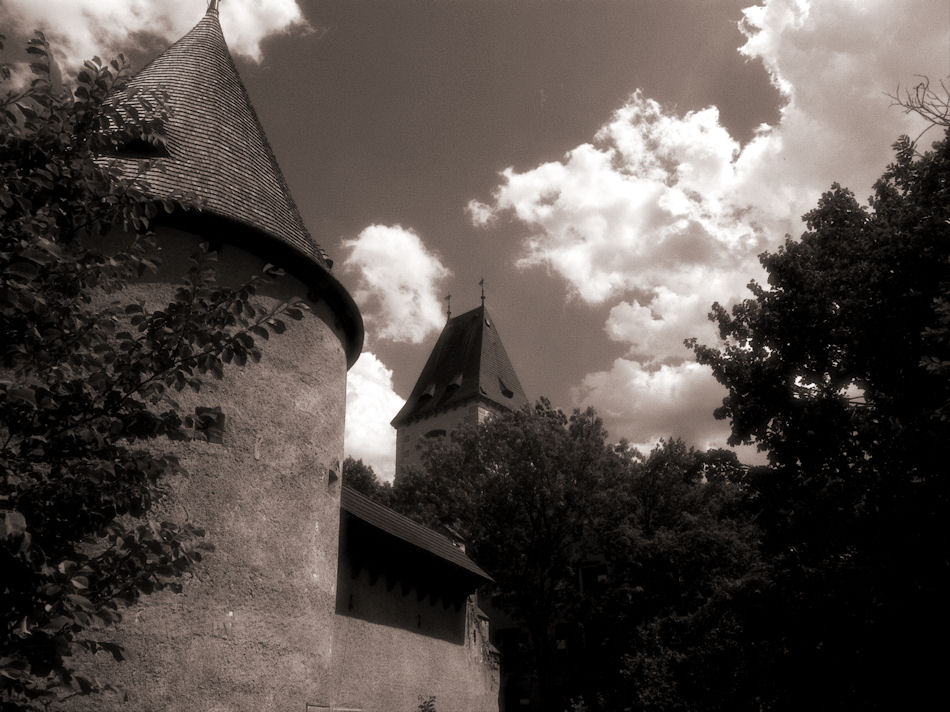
x,y
361,477
89,377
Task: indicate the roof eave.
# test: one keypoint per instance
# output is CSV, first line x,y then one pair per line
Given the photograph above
x,y
323,285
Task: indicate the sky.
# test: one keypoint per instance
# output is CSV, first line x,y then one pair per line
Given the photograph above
x,y
610,168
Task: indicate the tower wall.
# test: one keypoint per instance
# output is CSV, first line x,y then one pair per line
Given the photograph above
x,y
411,436
252,629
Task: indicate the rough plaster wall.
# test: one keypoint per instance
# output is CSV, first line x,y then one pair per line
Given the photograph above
x,y
409,436
252,629
431,650
387,669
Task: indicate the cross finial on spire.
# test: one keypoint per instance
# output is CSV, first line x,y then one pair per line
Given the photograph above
x,y
448,307
481,283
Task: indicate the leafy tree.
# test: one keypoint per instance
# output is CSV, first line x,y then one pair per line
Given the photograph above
x,y
682,558
522,490
363,479
838,370
87,380
606,561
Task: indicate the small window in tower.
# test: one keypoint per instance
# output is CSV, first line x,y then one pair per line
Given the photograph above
x,y
437,433
209,424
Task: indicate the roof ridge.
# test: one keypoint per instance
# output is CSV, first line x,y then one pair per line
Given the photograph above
x,y
351,491
270,152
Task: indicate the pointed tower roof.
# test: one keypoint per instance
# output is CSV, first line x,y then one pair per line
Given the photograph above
x,y
216,146
217,151
469,363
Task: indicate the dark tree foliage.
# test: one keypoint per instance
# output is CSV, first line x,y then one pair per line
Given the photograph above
x,y
838,370
682,558
521,490
87,380
596,555
363,479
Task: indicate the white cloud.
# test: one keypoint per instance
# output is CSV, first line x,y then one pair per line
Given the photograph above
x,y
642,206
644,404
835,61
371,403
661,214
481,214
81,29
655,332
399,283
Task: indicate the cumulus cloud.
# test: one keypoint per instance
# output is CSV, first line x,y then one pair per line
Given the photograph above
x,y
399,283
835,61
647,202
481,214
654,332
645,403
662,213
81,29
371,403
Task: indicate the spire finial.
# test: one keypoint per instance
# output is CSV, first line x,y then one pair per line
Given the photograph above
x,y
448,307
481,283
213,5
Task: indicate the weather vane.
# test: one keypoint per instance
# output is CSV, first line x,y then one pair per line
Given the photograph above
x,y
448,306
481,283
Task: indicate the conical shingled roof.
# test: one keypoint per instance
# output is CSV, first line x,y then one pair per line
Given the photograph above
x,y
469,363
216,145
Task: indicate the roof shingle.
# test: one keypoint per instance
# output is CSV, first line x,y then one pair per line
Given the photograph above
x,y
216,145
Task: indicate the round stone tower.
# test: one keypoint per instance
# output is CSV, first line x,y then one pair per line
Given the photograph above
x,y
252,629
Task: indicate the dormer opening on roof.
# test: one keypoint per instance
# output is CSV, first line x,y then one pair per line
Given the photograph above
x,y
428,393
505,390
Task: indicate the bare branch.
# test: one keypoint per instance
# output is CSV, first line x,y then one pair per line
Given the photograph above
x,y
931,104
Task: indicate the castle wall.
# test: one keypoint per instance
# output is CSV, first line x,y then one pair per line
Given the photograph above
x,y
394,647
253,627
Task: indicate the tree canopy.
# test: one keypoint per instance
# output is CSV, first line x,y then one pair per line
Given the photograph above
x,y
592,549
88,379
838,370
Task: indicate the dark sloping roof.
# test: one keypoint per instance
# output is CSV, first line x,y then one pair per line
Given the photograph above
x,y
406,530
216,145
468,363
